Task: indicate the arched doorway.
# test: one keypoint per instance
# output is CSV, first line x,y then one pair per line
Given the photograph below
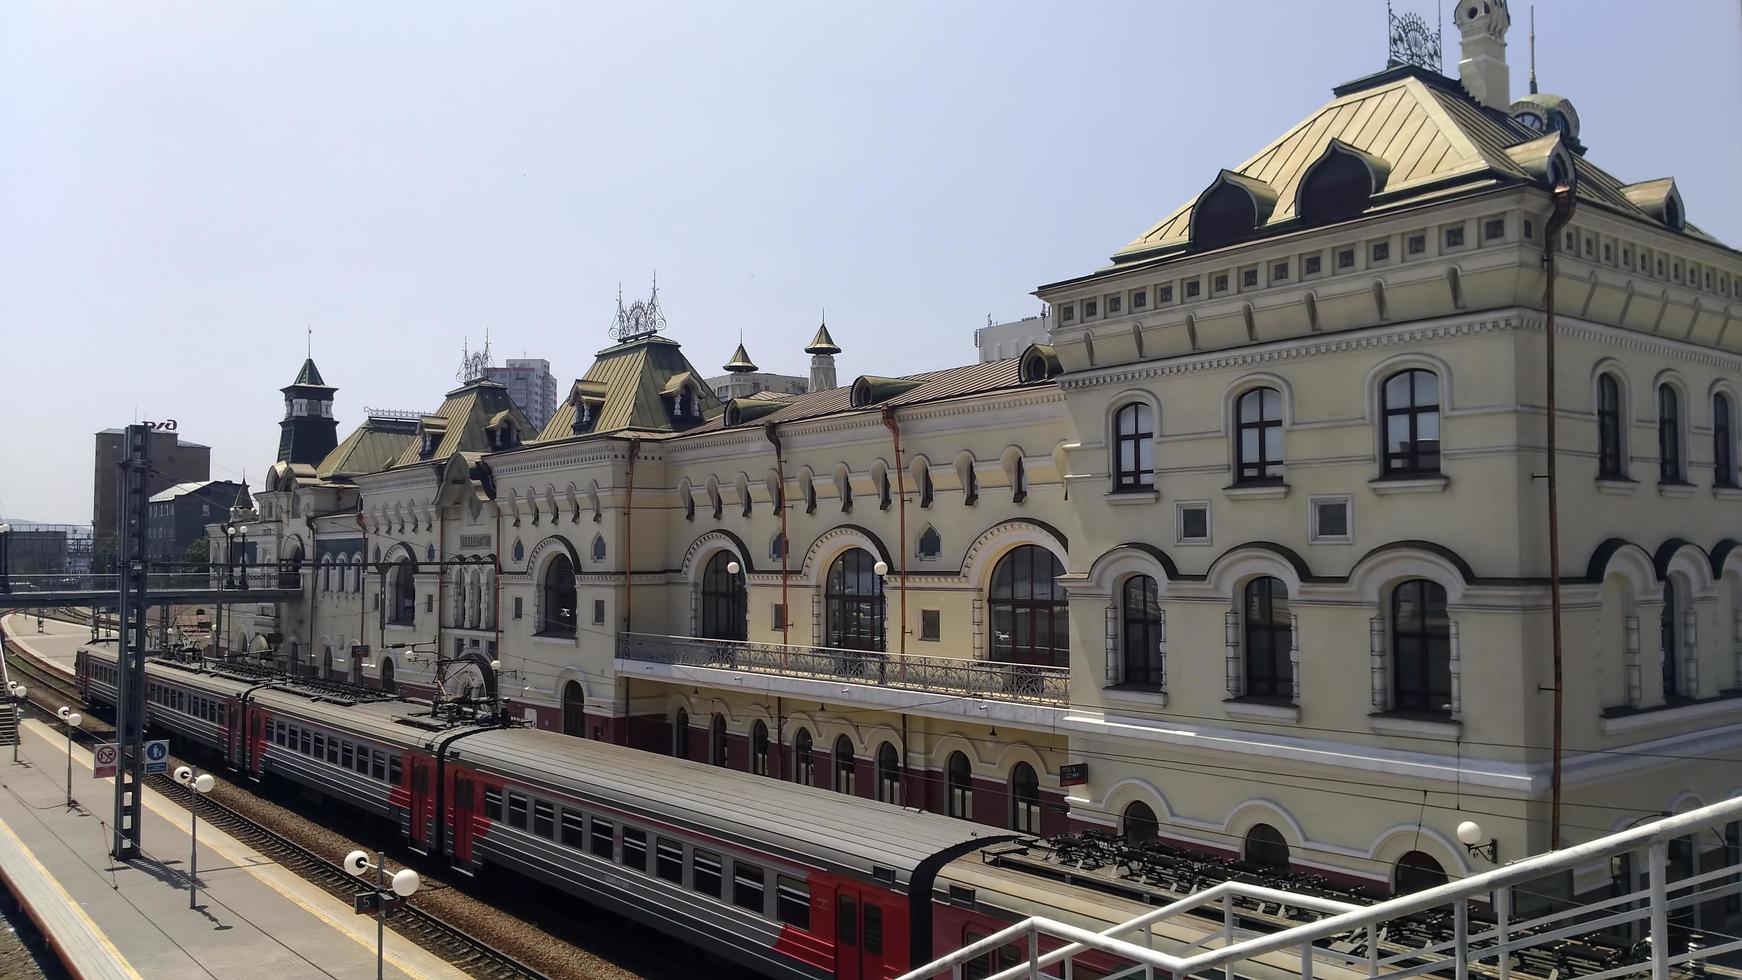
x,y
1030,620
557,598
387,682
1024,799
844,765
889,774
724,615
1138,824
1417,872
327,664
803,759
961,786
1266,848
680,735
574,709
853,597
717,744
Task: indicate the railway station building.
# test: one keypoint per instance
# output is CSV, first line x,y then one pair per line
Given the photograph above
x,y
1250,555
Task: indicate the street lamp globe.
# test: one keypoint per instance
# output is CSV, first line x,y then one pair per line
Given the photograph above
x,y
21,692
1469,833
881,568
61,712
405,882
356,863
732,568
204,782
73,719
183,774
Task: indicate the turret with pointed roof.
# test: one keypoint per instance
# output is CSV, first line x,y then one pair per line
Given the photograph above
x,y
822,349
740,362
308,432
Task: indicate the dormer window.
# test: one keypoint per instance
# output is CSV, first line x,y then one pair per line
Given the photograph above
x,y
430,441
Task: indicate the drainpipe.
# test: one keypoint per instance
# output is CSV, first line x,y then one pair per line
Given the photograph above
x,y
629,542
772,431
362,607
901,508
1564,203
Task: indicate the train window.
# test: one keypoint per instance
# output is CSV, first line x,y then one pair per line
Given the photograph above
x,y
846,921
747,887
278,732
333,751
362,766
348,756
492,800
304,739
668,862
517,811
393,770
320,746
635,848
378,765
544,819
872,938
705,873
574,829
792,901
604,844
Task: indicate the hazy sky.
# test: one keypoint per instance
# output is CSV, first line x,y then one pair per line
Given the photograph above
x,y
185,188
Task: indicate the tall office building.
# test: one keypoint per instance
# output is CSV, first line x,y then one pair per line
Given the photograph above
x,y
172,462
530,384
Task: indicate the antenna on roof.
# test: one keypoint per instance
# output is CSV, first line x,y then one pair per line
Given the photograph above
x,y
1533,49
309,345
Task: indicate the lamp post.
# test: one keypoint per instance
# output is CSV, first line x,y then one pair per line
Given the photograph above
x,y
403,885
72,719
200,783
18,692
242,555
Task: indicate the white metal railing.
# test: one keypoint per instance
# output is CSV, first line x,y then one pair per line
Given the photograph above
x,y
1361,940
973,678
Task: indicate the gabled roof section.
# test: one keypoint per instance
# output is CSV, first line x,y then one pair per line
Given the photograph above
x,y
461,423
371,447
633,383
1424,128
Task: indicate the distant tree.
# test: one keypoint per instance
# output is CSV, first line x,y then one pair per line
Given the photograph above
x,y
199,551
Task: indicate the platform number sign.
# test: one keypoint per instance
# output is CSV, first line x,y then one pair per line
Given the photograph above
x,y
156,757
103,759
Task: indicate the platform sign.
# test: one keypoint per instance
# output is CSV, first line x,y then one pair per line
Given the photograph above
x,y
369,902
156,756
103,759
1074,774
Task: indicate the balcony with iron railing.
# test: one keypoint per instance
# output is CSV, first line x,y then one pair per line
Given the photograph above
x,y
872,677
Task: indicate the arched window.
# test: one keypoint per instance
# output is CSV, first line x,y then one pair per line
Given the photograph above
x,y
723,600
1134,447
1030,619
1417,872
574,709
356,573
853,597
1258,448
405,593
777,547
1024,799
327,664
388,684
925,487
803,760
931,543
961,786
1609,465
759,749
717,744
1269,632
326,574
1669,430
844,763
1266,848
1421,646
1409,405
1723,444
1138,824
680,735
598,547
557,598
1336,188
1142,633
1669,633
888,774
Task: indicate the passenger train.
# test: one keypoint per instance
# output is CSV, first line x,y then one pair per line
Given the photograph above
x,y
785,879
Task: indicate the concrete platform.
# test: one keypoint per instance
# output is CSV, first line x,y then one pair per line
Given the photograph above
x,y
113,920
56,646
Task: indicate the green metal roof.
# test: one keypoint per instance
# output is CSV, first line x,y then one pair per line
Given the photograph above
x,y
371,447
636,380
462,421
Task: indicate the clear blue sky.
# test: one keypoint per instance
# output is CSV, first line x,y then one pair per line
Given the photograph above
x,y
184,188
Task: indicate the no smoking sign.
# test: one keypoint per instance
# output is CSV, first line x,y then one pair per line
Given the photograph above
x,y
103,760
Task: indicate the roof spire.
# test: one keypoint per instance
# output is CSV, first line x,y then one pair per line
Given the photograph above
x,y
740,362
309,345
822,343
1533,49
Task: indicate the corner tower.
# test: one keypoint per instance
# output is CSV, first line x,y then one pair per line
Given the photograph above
x,y
309,432
822,349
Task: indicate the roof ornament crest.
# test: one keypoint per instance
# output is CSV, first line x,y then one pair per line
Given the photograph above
x,y
1412,43
473,362
639,319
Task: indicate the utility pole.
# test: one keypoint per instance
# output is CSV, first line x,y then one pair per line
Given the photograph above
x,y
1564,202
130,655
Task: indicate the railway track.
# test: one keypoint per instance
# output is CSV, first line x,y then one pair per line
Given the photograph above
x,y
420,925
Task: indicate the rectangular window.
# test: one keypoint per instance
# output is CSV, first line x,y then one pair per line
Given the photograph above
x,y
705,872
1416,245
792,901
362,761
1164,294
544,819
574,829
747,888
604,842
1139,299
1067,313
1114,304
517,607
493,804
333,751
1380,252
1193,287
378,765
1626,256
1090,308
1329,519
1609,253
598,612
393,769
1345,258
517,811
1529,230
1219,282
1248,278
1194,523
307,741
1311,265
635,849
1279,272
1590,247
777,615
930,624
668,861
871,937
1493,229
